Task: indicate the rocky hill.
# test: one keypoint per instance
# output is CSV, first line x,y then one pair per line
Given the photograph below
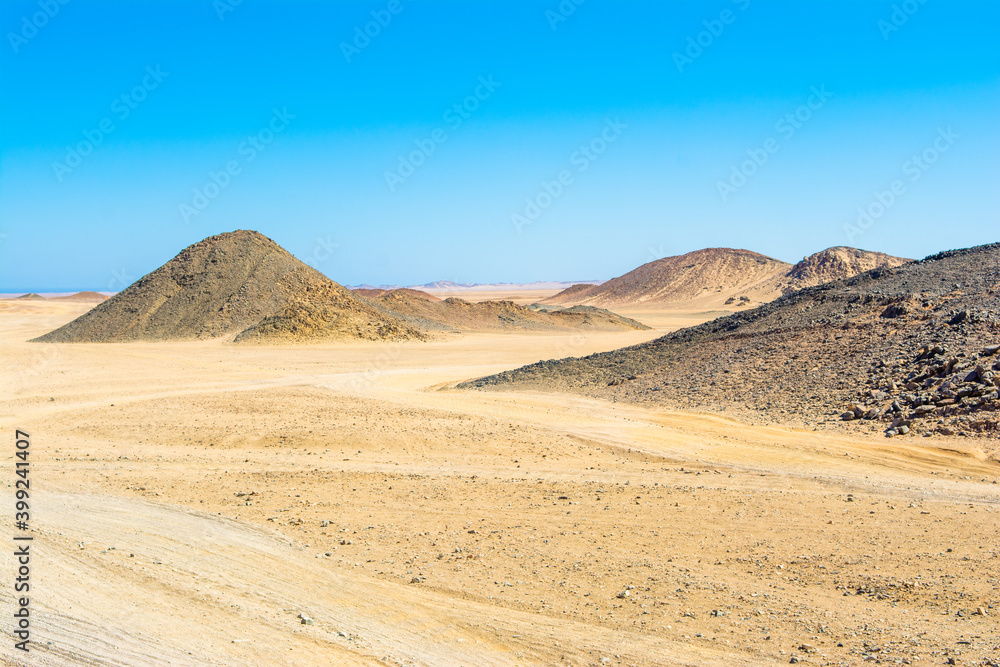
x,y
716,271
835,264
430,313
239,284
910,349
724,277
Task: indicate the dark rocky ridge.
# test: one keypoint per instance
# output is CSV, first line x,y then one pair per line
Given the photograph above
x,y
809,355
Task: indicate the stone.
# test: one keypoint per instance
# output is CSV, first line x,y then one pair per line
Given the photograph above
x,y
305,620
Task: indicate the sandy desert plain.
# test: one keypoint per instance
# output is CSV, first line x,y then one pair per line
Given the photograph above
x,y
344,503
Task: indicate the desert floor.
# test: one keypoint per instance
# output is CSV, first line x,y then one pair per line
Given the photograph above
x,y
191,500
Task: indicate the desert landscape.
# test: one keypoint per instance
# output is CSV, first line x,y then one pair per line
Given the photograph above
x,y
503,333
367,485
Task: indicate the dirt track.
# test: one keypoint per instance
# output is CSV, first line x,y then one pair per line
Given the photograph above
x,y
522,516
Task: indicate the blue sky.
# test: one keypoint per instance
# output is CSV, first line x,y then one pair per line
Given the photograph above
x,y
606,134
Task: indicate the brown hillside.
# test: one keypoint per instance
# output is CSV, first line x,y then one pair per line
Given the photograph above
x,y
723,277
722,271
82,296
369,293
224,286
455,314
572,294
32,296
403,292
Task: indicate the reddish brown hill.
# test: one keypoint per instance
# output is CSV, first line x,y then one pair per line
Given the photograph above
x,y
455,314
369,293
572,294
722,271
404,292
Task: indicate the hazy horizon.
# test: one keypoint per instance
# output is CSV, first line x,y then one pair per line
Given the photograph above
x,y
124,279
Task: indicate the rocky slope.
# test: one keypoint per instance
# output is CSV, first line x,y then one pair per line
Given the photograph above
x,y
239,284
426,312
908,346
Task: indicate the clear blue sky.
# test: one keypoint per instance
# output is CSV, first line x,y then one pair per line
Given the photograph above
x,y
199,81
